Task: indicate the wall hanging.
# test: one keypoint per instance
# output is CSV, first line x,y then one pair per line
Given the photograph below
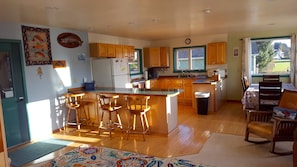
x,y
69,40
37,45
59,63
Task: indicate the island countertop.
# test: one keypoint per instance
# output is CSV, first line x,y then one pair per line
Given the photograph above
x,y
136,91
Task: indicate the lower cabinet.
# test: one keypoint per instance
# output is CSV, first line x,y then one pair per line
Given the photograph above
x,y
176,83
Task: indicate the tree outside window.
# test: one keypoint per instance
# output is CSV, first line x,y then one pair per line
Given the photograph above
x,y
271,56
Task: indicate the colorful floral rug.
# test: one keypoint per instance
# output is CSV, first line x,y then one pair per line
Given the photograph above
x,y
89,156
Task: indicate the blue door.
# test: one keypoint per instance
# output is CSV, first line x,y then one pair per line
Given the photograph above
x,y
12,93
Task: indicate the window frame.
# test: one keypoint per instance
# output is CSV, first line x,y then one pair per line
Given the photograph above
x,y
266,38
140,63
175,70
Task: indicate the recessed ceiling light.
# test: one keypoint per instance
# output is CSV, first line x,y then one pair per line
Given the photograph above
x,y
207,11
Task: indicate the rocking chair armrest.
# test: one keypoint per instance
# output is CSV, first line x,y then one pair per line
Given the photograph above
x,y
263,116
284,126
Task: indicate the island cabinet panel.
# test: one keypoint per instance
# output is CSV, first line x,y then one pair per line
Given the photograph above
x,y
3,148
156,57
216,53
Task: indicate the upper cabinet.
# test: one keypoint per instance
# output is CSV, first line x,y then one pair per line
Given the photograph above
x,y
103,50
128,52
156,57
216,53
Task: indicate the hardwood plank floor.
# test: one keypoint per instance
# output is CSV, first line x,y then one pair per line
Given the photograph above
x,y
188,138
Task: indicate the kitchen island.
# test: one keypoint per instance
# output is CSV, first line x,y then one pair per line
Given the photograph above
x,y
163,114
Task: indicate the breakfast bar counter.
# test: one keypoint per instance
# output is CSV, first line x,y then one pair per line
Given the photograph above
x,y
163,114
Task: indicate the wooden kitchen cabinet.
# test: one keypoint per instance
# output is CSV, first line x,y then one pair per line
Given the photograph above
x,y
156,57
118,51
217,92
216,53
3,148
164,56
103,50
176,83
128,51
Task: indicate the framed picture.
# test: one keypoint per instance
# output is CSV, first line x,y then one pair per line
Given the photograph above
x,y
59,63
37,45
235,52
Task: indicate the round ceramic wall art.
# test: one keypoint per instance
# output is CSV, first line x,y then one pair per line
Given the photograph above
x,y
69,40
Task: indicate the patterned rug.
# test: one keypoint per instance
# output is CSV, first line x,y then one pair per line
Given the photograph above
x,y
89,156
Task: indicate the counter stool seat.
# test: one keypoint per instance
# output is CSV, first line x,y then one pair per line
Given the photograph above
x,y
73,104
108,103
137,105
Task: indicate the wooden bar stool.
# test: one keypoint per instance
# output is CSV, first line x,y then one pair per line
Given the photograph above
x,y
108,103
73,104
137,105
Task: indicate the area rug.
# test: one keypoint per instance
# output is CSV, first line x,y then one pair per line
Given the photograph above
x,y
33,151
89,156
229,150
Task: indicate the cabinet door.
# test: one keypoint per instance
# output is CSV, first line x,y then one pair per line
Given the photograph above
x,y
119,51
128,51
164,56
221,53
211,53
187,86
151,57
111,51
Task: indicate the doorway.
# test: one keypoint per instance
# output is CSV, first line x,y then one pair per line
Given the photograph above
x,y
12,88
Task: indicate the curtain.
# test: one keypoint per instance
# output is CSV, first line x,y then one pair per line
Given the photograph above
x,y
246,52
293,74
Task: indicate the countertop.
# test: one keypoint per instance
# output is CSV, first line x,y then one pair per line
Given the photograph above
x,y
136,91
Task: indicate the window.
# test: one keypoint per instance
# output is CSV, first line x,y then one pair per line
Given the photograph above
x,y
135,64
270,56
189,59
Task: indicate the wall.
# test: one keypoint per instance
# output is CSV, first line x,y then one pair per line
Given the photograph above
x,y
138,44
234,63
44,103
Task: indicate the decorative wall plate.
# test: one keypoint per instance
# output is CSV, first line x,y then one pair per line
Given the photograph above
x,y
69,40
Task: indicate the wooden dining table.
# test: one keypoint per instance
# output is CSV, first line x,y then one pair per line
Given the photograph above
x,y
250,99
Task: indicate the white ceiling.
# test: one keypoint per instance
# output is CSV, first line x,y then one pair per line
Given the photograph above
x,y
153,19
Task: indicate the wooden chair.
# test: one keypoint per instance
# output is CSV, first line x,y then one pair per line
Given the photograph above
x,y
269,95
270,126
244,83
108,103
73,104
271,78
137,105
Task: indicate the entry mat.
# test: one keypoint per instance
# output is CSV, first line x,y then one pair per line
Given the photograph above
x,y
33,151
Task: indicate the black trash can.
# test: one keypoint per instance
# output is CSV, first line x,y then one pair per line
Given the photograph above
x,y
202,102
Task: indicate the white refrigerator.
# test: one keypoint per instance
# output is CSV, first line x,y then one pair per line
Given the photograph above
x,y
111,72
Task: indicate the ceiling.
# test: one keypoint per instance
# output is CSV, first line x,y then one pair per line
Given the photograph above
x,y
153,19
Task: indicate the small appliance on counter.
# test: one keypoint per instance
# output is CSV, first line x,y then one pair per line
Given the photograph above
x,y
152,73
218,74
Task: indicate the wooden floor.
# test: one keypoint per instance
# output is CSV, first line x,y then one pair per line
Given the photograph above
x,y
188,138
